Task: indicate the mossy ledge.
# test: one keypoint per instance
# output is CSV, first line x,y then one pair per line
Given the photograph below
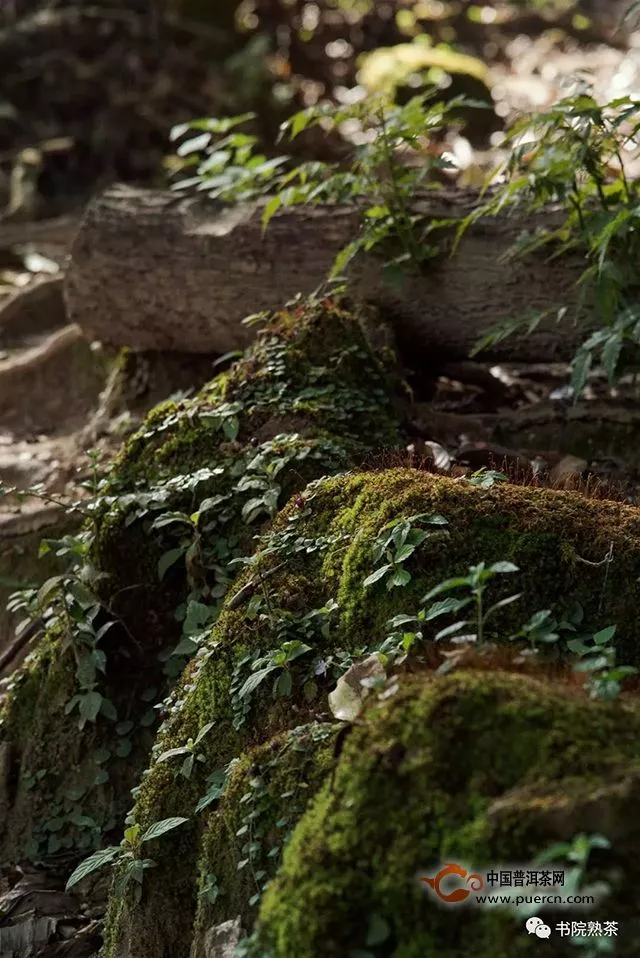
x,y
315,392
483,769
306,584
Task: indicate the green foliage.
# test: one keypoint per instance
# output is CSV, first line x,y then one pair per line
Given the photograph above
x,y
594,651
188,753
68,605
396,542
576,854
476,582
570,155
486,478
597,657
378,180
131,867
298,635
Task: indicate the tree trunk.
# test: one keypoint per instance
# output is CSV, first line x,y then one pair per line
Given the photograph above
x,y
155,271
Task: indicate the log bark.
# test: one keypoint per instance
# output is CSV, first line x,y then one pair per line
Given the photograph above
x,y
156,271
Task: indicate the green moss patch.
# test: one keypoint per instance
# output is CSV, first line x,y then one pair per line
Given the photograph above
x,y
184,501
426,779
306,586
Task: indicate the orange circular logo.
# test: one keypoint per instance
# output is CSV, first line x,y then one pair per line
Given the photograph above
x,y
474,881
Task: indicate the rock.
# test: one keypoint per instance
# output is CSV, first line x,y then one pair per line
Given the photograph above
x,y
221,941
51,387
348,697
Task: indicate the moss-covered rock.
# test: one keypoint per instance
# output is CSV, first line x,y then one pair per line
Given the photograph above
x,y
65,783
305,593
187,496
478,769
267,792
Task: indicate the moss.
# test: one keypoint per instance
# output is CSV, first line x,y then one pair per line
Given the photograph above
x,y
62,786
319,549
422,781
558,540
313,364
309,398
266,794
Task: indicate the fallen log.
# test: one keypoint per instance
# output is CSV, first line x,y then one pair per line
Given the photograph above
x,y
153,270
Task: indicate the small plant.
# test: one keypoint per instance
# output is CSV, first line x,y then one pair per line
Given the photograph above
x,y
275,664
476,583
577,852
210,890
298,635
486,478
572,155
407,630
597,657
188,753
379,181
68,605
130,866
216,785
396,542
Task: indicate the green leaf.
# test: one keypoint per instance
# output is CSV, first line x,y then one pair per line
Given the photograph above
x,y
378,931
376,576
203,731
123,748
170,518
503,567
591,664
446,586
502,603
187,766
293,650
284,684
254,681
451,629
173,753
399,578
604,635
217,783
444,607
297,123
611,354
198,616
161,828
167,560
399,620
48,588
580,371
91,864
90,705
186,646
404,552
194,145
270,209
